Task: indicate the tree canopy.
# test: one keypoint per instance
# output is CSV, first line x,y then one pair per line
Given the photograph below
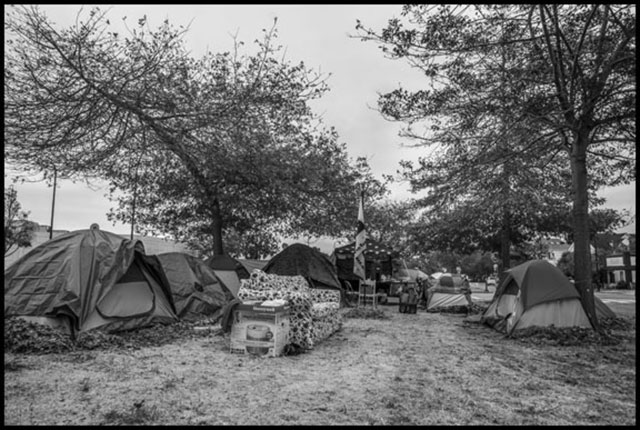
x,y
191,147
551,84
18,229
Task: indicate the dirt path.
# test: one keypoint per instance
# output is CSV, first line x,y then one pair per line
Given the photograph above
x,y
410,369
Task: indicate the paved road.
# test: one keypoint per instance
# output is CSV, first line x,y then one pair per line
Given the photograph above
x,y
622,302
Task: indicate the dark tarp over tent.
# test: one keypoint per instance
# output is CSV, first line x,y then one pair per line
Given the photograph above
x,y
89,279
537,293
378,260
197,292
229,270
300,259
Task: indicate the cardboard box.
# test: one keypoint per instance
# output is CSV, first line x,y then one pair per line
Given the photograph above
x,y
260,330
256,307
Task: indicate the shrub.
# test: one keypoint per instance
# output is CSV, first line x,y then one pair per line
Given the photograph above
x,y
139,414
366,313
25,337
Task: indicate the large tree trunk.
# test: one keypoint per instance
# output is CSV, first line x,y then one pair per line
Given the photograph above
x,y
216,222
505,242
582,254
505,233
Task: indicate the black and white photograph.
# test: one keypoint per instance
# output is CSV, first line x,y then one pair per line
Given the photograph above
x,y
320,214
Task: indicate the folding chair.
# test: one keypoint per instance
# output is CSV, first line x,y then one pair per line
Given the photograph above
x,y
367,293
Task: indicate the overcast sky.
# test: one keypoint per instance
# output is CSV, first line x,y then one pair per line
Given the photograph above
x,y
318,35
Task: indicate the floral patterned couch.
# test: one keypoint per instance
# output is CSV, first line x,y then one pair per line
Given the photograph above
x,y
314,312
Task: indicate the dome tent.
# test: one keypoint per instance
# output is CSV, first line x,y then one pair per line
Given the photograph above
x,y
229,270
196,290
89,279
411,275
537,293
251,264
300,259
448,291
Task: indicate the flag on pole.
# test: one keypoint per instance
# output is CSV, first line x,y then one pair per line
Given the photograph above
x,y
360,245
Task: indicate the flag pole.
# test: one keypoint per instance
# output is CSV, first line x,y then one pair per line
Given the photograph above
x,y
359,263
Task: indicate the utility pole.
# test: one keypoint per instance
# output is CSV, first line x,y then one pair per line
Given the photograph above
x,y
135,186
53,202
133,209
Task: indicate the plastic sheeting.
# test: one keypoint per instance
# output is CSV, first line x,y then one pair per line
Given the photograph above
x,y
438,300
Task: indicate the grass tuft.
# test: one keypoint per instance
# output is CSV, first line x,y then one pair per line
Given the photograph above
x,y
366,313
138,414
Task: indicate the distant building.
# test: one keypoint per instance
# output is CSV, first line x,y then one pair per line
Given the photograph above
x,y
555,251
620,261
621,267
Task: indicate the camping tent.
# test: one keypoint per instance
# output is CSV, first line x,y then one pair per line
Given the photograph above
x,y
378,260
436,275
602,310
250,264
89,279
448,290
229,270
300,259
537,293
410,275
196,290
